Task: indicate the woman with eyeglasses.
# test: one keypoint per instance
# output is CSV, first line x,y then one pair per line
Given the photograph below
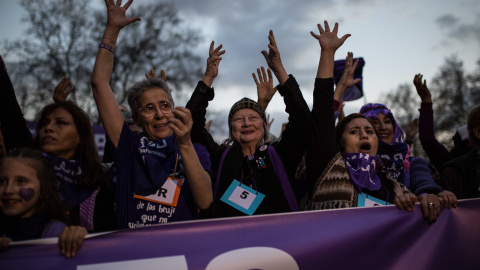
x,y
161,176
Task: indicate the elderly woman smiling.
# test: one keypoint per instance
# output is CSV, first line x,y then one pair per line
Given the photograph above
x,y
160,178
254,174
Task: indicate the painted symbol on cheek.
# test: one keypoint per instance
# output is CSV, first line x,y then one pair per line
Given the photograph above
x,y
27,193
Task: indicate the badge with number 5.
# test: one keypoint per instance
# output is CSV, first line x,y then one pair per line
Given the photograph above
x,y
242,197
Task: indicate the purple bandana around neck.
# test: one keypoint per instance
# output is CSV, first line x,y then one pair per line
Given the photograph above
x,y
69,186
394,157
362,170
158,160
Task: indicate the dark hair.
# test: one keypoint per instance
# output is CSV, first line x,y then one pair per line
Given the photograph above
x,y
473,122
136,91
86,152
48,204
342,125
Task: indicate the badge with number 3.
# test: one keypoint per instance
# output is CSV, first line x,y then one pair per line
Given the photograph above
x,y
242,197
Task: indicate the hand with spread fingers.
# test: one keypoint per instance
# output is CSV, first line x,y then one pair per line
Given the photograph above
x,y
347,80
448,199
213,62
71,240
422,89
154,75
430,205
61,93
329,40
265,89
406,202
116,14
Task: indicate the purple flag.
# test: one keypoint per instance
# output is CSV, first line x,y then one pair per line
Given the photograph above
x,y
356,91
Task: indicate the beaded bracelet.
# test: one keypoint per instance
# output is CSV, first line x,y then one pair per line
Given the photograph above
x,y
107,47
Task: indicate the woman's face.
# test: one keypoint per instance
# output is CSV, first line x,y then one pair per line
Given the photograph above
x,y
153,114
247,126
19,188
359,137
58,135
384,127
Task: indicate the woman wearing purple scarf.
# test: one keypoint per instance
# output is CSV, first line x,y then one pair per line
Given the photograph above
x,y
342,164
413,172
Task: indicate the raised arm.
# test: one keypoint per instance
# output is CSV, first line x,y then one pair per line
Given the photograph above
x,y
292,146
265,89
322,144
274,61
437,153
198,102
106,103
13,125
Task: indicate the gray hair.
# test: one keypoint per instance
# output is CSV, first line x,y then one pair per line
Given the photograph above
x,y
267,138
136,91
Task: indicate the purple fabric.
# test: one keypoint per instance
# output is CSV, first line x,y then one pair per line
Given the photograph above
x,y
129,165
217,182
356,91
87,208
362,169
371,110
282,176
68,174
53,228
386,238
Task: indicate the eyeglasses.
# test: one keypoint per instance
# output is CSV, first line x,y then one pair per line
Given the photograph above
x,y
150,109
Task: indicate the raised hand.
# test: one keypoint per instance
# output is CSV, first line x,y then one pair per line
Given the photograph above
x,y
269,123
116,14
265,89
154,75
329,41
422,89
213,62
274,61
347,80
411,130
61,93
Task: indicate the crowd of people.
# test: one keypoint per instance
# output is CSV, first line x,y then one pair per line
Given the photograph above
x,y
164,166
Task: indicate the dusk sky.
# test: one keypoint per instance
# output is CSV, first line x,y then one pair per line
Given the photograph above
x,y
397,39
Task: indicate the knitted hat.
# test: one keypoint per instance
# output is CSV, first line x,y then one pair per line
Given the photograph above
x,y
246,103
371,110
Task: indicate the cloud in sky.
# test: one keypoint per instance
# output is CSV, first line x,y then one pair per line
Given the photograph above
x,y
464,32
396,38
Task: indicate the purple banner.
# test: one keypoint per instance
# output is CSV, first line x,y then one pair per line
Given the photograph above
x,y
361,238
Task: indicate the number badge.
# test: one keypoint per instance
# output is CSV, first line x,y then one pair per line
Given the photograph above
x,y
242,197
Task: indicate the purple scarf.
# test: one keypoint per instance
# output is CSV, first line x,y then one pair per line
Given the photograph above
x,y
362,170
158,159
